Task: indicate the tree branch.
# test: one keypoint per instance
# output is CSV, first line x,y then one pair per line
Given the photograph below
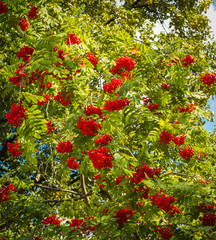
x,y
82,180
56,189
66,200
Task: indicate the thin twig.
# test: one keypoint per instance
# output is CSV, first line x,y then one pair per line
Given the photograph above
x,y
128,150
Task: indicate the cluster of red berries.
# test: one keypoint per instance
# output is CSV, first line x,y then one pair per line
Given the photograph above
x,y
174,60
5,192
205,207
166,86
98,176
146,100
201,155
13,149
35,76
123,63
119,179
166,137
49,127
88,127
165,203
23,24
153,107
92,59
188,109
123,214
64,147
186,153
208,219
79,224
25,53
46,99
111,87
3,7
187,60
89,110
101,158
16,80
72,163
37,238
72,39
17,114
208,79
33,13
141,189
139,174
103,140
179,140
64,99
3,238
165,232
51,220
116,105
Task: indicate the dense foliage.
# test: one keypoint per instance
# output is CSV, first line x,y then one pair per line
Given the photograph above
x,y
102,133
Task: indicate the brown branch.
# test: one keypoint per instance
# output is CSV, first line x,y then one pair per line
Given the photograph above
x,y
56,189
106,194
109,21
82,180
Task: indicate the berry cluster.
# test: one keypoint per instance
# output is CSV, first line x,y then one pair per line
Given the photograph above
x,y
139,174
25,53
122,215
205,207
104,140
37,238
100,158
119,179
49,127
153,107
72,163
13,149
166,137
72,39
79,224
141,189
64,147
208,79
179,140
98,176
165,203
116,105
165,232
146,100
89,110
61,98
188,109
51,220
16,80
17,114
5,192
46,99
201,155
186,153
111,87
88,127
208,219
166,86
123,63
92,59
187,60
3,7
33,13
23,24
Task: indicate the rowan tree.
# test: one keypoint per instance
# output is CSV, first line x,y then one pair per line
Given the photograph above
x,y
102,133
